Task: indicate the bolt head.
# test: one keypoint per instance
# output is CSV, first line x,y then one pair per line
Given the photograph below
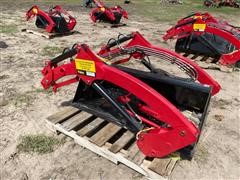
x,y
182,133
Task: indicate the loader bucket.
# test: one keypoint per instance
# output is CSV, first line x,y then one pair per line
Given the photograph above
x,y
61,24
207,44
191,98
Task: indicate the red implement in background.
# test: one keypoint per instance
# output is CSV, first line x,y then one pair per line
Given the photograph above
x,y
149,103
201,33
55,20
111,15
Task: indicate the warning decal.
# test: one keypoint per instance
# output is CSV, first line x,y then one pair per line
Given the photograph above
x,y
86,67
199,27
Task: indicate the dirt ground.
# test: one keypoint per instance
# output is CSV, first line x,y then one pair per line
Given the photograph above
x,y
25,106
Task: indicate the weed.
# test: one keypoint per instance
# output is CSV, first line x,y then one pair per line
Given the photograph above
x,y
8,29
40,144
45,91
51,51
21,99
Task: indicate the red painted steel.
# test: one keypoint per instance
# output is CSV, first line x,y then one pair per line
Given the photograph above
x,y
185,27
156,141
55,11
109,12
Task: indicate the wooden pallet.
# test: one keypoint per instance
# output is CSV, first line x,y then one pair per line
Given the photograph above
x,y
43,33
109,141
107,25
206,62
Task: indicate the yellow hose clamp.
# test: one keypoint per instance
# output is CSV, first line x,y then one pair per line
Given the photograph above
x,y
35,10
102,9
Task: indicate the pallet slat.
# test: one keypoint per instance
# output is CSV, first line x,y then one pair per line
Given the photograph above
x,y
138,159
43,33
133,151
194,56
63,115
163,164
170,167
198,58
90,127
76,120
38,33
209,60
101,137
135,155
121,142
204,58
108,25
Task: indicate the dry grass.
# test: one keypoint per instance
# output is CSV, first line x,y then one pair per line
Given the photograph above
x,y
40,144
51,51
8,29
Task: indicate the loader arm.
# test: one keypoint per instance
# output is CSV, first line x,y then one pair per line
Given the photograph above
x,y
158,141
139,47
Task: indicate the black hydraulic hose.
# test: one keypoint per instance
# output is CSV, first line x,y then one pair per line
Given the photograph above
x,y
149,52
148,65
64,56
119,41
188,22
190,15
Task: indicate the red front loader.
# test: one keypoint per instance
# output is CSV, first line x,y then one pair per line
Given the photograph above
x,y
55,20
103,13
203,34
150,103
